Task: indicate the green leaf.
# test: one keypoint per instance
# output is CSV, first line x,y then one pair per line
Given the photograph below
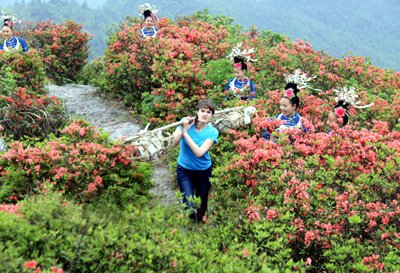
x,y
355,219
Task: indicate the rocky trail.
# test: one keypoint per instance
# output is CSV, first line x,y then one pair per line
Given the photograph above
x,y
82,101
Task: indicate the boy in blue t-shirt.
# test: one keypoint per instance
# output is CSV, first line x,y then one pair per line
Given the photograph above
x,y
194,162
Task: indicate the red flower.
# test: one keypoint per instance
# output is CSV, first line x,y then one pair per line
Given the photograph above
x,y
271,214
30,264
289,93
54,269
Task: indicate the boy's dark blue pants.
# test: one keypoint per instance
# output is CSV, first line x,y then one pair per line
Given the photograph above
x,y
193,183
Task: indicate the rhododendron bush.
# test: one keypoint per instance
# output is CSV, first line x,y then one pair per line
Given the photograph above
x,y
25,108
26,114
21,70
79,164
63,48
331,187
166,72
54,233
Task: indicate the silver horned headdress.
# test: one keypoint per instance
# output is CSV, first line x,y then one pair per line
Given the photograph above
x,y
244,54
299,78
349,95
146,6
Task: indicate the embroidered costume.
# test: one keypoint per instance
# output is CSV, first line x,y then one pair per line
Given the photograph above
x,y
243,89
293,121
288,122
15,43
144,32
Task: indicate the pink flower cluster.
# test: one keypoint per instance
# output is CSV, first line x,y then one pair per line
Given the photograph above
x,y
78,168
323,180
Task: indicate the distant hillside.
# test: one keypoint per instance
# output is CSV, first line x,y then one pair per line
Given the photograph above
x,y
90,3
342,27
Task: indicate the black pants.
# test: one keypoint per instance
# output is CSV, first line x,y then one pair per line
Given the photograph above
x,y
193,183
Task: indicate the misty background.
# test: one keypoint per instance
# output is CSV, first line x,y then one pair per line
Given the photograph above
x,y
343,27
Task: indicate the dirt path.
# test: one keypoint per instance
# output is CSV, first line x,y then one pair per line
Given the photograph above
x,y
83,101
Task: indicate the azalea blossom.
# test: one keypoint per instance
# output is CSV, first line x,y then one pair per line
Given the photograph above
x,y
30,264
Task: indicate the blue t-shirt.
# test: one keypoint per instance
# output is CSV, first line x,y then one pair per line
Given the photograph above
x,y
239,85
288,122
15,43
187,158
144,32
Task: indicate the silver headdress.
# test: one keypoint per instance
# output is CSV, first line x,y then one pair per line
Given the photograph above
x,y
147,6
299,78
349,95
10,16
244,54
